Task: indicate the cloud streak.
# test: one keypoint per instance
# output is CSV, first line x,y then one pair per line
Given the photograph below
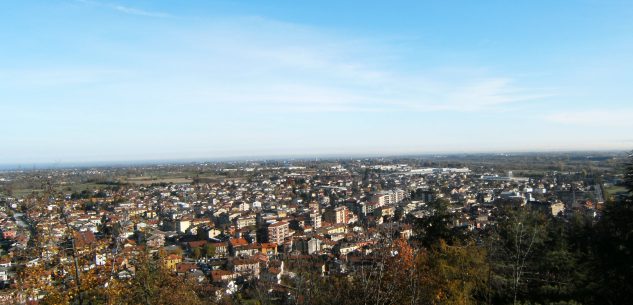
x,y
594,118
126,9
260,64
266,65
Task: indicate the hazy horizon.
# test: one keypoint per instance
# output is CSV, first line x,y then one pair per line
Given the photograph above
x,y
289,158
104,81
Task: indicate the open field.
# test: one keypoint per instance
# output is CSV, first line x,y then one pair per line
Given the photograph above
x,y
21,193
152,180
78,187
613,190
64,188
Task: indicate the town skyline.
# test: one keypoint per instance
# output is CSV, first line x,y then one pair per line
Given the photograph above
x,y
258,232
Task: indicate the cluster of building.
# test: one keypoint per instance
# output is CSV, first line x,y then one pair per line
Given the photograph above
x,y
264,222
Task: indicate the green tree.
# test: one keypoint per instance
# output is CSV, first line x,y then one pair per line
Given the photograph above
x,y
197,253
613,248
628,175
514,247
562,271
438,226
209,251
152,283
459,274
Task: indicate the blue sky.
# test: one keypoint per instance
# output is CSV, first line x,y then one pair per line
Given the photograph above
x,y
92,80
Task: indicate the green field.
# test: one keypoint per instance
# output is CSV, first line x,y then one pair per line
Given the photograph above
x,y
152,180
613,190
64,188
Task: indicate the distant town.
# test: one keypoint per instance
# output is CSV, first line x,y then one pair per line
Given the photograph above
x,y
235,227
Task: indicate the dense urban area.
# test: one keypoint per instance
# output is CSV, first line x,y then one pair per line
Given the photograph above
x,y
454,229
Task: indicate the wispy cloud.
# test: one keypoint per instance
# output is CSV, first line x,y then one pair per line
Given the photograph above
x,y
56,77
594,118
265,65
125,9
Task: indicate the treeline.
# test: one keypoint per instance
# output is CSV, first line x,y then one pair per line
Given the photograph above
x,y
87,194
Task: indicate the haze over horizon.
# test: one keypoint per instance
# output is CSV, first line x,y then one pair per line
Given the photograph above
x,y
88,80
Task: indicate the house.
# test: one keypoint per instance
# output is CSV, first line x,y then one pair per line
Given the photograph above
x,y
307,245
156,241
5,261
84,240
171,261
269,248
4,274
246,250
183,224
221,250
183,268
9,234
245,221
247,268
274,272
338,215
406,232
335,229
237,244
278,231
196,244
219,276
207,232
345,248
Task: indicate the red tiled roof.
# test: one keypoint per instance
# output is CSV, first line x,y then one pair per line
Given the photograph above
x,y
84,239
238,241
277,224
185,267
219,275
197,243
